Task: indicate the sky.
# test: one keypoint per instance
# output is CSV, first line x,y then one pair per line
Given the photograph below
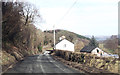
x,y
84,17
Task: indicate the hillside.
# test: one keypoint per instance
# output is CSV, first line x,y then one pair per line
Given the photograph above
x,y
110,45
20,38
79,40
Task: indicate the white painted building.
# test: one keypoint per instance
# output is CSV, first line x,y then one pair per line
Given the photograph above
x,y
65,45
94,50
99,52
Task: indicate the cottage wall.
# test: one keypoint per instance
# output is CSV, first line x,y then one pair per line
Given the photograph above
x,y
97,51
65,45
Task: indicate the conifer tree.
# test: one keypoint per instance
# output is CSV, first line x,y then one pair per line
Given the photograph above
x,y
93,42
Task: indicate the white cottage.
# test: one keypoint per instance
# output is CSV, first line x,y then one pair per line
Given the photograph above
x,y
99,52
65,45
94,50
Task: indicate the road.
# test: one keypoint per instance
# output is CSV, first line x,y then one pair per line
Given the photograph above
x,y
41,64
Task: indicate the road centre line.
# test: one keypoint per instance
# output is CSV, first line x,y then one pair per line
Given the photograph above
x,y
56,64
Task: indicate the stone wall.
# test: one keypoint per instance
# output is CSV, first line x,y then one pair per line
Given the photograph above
x,y
109,64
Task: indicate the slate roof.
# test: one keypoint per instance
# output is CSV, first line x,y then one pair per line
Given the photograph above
x,y
87,49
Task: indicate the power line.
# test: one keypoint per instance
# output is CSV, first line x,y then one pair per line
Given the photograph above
x,y
62,19
67,11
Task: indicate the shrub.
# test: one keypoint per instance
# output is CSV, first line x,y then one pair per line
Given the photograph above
x,y
40,48
81,59
73,57
45,42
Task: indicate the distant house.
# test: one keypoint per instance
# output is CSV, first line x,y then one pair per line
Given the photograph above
x,y
94,50
65,45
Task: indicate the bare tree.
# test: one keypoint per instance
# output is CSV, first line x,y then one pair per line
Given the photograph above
x,y
11,19
17,23
30,13
111,43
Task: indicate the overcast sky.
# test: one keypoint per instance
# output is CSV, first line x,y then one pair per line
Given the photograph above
x,y
86,17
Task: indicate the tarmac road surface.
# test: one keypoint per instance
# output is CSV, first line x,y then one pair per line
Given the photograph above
x,y
42,63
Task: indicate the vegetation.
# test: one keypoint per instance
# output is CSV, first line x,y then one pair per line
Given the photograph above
x,y
110,45
80,36
40,48
20,37
93,42
109,65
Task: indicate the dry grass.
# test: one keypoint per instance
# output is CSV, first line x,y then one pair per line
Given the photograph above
x,y
6,60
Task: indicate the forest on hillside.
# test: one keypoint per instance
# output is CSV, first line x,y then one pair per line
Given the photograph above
x,y
110,45
20,37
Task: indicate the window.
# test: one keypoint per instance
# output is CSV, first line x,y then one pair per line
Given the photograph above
x,y
64,45
101,54
97,51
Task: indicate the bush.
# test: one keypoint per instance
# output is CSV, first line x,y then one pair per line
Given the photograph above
x,y
39,48
72,57
81,59
45,42
57,53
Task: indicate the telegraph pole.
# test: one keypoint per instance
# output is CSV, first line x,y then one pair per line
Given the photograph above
x,y
54,36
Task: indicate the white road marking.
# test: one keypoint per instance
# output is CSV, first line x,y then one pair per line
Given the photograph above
x,y
42,68
60,67
50,59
